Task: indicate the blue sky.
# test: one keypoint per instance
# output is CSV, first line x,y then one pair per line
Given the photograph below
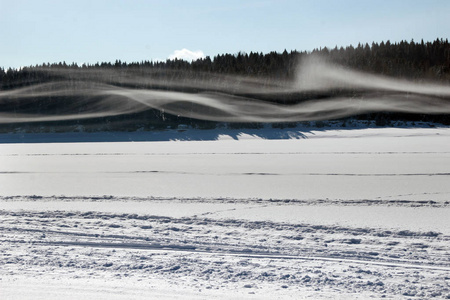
x,y
37,31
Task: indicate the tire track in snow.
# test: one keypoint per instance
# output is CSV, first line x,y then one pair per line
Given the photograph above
x,y
229,153
243,254
231,174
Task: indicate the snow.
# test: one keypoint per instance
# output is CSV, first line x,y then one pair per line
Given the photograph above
x,y
269,214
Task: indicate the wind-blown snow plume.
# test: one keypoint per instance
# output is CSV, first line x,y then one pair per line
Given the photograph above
x,y
320,91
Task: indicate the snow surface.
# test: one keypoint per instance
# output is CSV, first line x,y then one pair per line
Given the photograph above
x,y
269,214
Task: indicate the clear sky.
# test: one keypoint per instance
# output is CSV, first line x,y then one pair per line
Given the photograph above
x,y
37,31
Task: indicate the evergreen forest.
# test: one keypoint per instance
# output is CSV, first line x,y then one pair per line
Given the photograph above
x,y
413,61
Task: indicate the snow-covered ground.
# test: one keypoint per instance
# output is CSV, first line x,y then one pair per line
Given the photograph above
x,y
262,215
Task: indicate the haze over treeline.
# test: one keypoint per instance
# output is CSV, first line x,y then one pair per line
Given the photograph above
x,y
415,61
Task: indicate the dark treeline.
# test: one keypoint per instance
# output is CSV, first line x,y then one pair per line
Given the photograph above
x,y
430,60
418,61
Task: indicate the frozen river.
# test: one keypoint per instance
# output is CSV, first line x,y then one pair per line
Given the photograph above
x,y
395,164
342,203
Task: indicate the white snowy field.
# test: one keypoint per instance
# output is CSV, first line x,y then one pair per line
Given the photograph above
x,y
319,214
